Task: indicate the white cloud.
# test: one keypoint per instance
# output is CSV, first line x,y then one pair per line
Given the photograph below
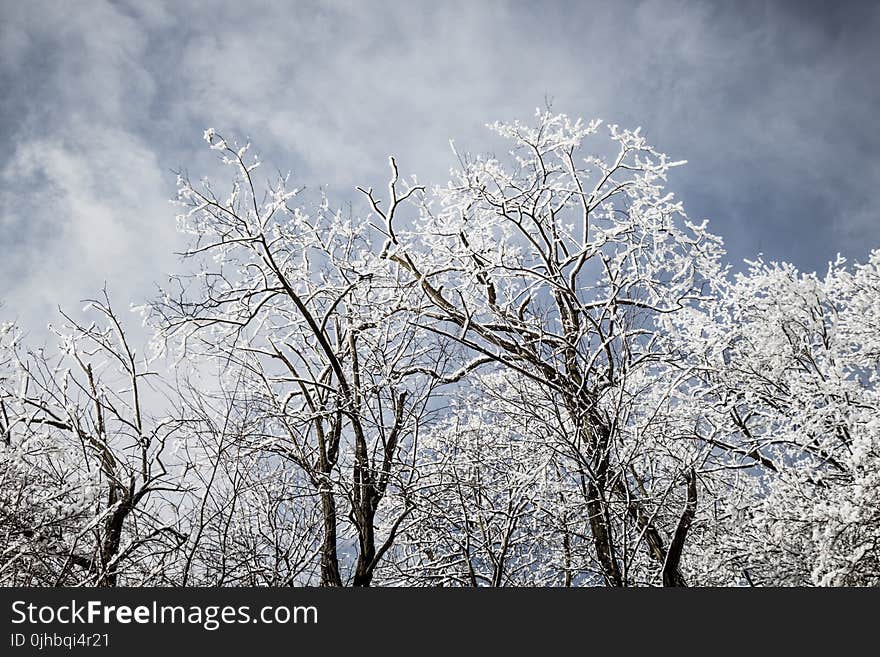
x,y
772,109
84,212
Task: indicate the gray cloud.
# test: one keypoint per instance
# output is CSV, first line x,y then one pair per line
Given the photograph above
x,y
774,105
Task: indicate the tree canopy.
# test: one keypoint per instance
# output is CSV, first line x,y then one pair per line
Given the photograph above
x,y
540,373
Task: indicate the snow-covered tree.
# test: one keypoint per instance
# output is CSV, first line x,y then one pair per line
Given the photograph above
x,y
297,305
555,264
788,365
538,374
87,496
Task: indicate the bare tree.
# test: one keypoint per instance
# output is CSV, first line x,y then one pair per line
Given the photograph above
x,y
557,267
539,374
302,306
76,430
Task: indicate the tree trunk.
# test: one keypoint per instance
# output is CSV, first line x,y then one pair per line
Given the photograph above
x,y
363,574
329,560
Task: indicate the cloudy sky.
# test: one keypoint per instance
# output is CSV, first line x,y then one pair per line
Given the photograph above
x,y
774,105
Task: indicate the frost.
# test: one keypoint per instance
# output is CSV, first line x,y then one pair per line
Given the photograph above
x,y
473,373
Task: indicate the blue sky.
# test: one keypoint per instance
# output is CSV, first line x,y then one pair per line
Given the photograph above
x,y
774,105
